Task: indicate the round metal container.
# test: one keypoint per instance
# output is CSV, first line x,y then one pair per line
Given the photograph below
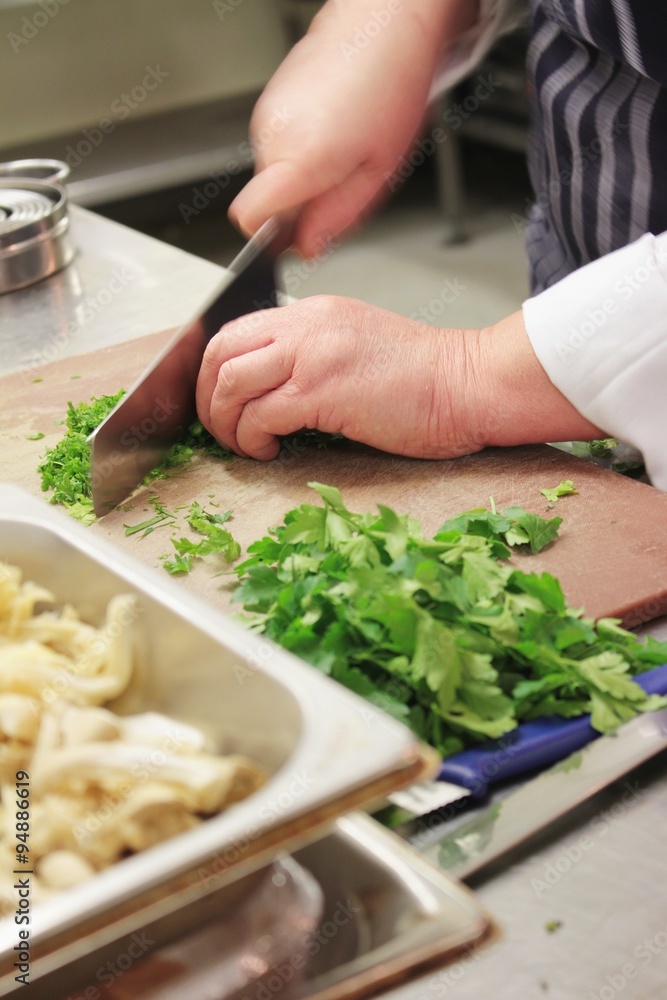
x,y
37,170
34,224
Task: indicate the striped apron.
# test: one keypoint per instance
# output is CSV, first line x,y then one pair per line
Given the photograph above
x,y
598,149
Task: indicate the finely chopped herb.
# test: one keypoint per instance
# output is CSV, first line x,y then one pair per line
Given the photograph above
x,y
65,468
442,633
162,518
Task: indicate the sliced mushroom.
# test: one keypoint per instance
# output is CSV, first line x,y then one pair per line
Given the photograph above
x,y
159,730
89,725
206,783
20,718
20,600
55,820
154,813
101,784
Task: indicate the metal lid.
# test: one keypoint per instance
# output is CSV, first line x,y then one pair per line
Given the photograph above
x,y
37,170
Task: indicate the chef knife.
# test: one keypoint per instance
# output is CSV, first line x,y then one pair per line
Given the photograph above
x,y
138,432
530,747
539,802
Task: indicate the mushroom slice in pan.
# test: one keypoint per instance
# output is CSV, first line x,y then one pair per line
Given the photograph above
x,y
206,783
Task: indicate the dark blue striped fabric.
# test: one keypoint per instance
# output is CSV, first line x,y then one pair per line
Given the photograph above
x,y
598,150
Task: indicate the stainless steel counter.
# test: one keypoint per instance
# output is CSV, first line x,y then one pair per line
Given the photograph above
x,y
583,910
120,285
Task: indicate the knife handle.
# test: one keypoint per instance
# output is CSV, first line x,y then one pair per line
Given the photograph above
x,y
531,746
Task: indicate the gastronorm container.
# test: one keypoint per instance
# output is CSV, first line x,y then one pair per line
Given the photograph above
x,y
344,916
326,750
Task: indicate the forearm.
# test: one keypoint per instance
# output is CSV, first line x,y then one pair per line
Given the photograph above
x,y
435,24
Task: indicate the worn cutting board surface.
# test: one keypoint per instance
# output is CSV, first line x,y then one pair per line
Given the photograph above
x,y
611,556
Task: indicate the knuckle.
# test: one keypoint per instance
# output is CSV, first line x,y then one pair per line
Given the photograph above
x,y
317,318
228,379
237,330
324,305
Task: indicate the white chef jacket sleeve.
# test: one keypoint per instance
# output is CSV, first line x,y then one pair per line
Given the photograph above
x,y
601,336
495,18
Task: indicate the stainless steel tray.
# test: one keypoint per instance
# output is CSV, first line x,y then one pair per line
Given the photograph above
x,y
327,751
386,914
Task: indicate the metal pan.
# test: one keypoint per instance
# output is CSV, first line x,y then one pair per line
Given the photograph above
x,y
381,914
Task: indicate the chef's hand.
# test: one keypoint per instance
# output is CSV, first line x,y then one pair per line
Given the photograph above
x,y
331,127
342,366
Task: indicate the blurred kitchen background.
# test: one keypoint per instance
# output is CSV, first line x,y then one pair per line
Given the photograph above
x,y
149,103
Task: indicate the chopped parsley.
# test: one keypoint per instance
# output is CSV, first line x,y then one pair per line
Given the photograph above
x,y
216,540
162,518
442,633
602,447
65,468
564,489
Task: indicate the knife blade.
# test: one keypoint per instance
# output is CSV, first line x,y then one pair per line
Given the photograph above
x,y
531,746
508,823
160,405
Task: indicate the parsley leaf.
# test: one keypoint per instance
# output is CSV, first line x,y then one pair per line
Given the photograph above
x,y
563,489
65,468
538,531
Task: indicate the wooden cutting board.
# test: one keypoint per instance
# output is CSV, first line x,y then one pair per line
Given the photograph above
x,y
611,557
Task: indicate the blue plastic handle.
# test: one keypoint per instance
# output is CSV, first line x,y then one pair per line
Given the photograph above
x,y
531,745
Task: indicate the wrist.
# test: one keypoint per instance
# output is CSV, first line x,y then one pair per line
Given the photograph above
x,y
521,405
